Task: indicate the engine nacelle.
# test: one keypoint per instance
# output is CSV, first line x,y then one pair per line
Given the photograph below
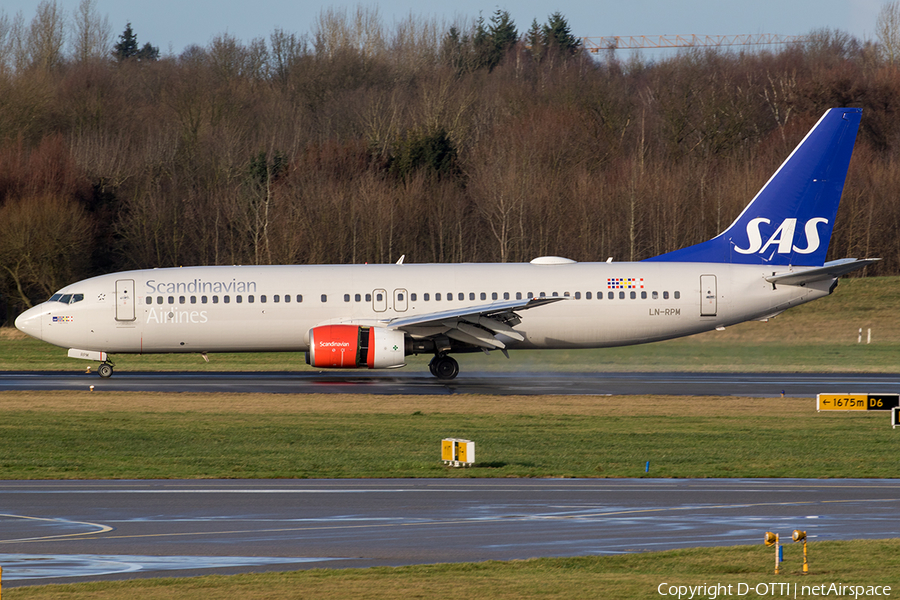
x,y
354,346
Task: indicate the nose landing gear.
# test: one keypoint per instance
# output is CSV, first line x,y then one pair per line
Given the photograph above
x,y
105,370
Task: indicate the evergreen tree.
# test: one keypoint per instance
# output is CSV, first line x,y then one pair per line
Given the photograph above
x,y
535,41
559,37
127,46
503,36
148,52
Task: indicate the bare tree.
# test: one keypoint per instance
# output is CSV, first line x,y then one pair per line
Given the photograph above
x,y
46,36
887,29
92,37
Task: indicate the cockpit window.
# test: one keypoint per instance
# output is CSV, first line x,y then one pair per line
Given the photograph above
x,y
67,298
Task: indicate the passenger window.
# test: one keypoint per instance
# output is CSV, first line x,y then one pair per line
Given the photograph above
x,y
484,296
437,297
226,299
633,295
399,297
530,295
215,299
543,294
149,300
425,296
299,297
193,299
324,297
518,295
494,296
578,295
471,296
287,297
621,295
251,299
262,298
239,299
357,298
378,298
412,297
346,297
665,295
656,295
506,295
171,299
276,298
462,296
587,296
677,295
643,295
368,297
181,300
203,299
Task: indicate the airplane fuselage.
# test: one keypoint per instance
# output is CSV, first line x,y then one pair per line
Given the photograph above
x,y
273,308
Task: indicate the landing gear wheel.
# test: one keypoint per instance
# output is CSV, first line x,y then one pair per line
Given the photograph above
x,y
105,370
444,367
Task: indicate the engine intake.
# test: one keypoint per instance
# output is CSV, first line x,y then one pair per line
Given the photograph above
x,y
354,346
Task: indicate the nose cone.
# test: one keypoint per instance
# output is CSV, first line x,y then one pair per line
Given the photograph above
x,y
30,322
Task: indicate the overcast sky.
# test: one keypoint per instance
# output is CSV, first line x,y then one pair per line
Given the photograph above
x,y
174,24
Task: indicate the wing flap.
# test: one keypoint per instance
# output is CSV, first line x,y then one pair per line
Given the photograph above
x,y
471,314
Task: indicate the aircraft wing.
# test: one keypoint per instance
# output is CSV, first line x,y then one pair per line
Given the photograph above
x,y
475,325
829,270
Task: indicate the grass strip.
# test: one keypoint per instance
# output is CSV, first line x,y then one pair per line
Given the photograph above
x,y
100,435
747,569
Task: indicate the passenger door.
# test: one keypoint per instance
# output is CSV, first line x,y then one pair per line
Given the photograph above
x,y
708,295
125,300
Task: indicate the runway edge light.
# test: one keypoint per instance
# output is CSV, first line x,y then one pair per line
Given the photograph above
x,y
771,539
800,536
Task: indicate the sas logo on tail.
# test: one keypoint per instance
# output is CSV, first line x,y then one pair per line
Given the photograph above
x,y
783,238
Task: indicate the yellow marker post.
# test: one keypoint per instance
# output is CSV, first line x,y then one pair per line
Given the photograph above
x,y
771,539
800,536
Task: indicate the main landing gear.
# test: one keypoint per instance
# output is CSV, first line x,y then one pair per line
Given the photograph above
x,y
443,367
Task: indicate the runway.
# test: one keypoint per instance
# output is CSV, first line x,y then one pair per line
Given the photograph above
x,y
418,383
69,531
65,531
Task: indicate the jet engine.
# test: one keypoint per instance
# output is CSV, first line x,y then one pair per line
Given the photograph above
x,y
354,346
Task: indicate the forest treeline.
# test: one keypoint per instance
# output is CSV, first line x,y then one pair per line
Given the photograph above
x,y
444,143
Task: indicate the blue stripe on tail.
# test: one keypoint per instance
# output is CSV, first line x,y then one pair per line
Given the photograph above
x,y
790,220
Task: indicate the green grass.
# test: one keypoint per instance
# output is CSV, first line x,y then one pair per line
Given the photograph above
x,y
622,577
167,436
818,336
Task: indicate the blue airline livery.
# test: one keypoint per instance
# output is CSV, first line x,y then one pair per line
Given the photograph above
x,y
373,316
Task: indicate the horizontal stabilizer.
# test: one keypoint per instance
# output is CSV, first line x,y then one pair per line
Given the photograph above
x,y
830,270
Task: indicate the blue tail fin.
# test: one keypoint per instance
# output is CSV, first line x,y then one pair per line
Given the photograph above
x,y
790,220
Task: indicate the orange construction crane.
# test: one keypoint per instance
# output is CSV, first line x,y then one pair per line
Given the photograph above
x,y
625,42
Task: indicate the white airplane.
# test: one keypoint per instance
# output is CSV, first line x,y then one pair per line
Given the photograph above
x,y
347,316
